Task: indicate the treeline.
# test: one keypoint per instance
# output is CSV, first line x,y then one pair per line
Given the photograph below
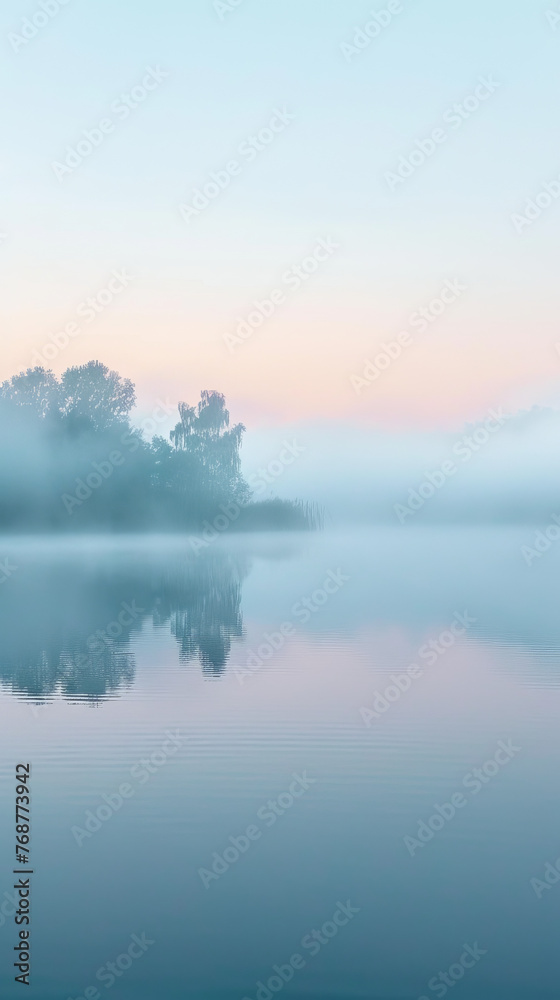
x,y
71,460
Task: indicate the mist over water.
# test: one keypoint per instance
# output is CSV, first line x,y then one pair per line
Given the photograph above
x,y
360,473
205,680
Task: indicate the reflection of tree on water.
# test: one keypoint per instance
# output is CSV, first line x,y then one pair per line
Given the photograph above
x,y
67,629
204,613
56,671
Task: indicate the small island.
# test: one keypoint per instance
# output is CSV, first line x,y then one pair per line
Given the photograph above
x,y
72,461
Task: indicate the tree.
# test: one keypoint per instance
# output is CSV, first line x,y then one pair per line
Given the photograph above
x,y
95,392
35,388
72,460
203,432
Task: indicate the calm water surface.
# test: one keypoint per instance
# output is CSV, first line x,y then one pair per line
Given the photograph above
x,y
254,699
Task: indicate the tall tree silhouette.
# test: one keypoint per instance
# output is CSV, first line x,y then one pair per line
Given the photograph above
x,y
204,433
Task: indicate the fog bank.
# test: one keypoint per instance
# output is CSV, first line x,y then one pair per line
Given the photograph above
x,y
504,468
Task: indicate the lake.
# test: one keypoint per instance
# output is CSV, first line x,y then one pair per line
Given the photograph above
x,y
299,765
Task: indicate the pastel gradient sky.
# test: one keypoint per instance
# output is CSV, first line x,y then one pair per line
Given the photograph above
x,y
323,176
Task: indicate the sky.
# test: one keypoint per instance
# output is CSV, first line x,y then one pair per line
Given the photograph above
x,y
310,220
